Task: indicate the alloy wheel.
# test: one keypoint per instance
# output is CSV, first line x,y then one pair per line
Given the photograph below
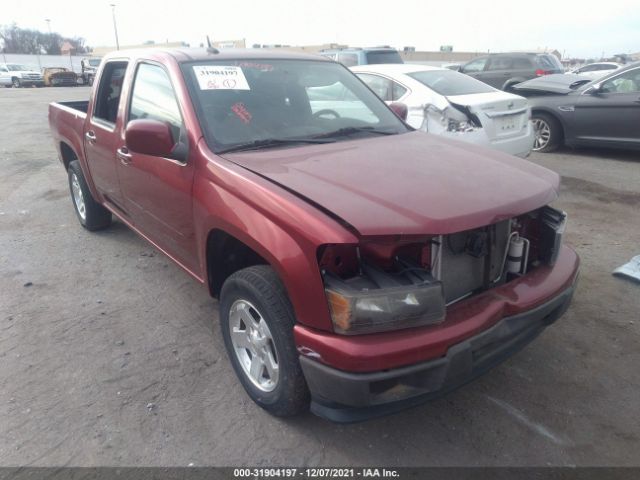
x,y
253,345
78,197
542,132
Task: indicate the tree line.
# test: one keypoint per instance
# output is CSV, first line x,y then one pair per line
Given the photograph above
x,y
27,41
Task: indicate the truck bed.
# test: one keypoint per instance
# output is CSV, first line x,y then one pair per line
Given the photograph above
x,y
81,105
66,121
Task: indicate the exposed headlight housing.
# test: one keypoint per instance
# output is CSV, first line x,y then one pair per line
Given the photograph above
x,y
356,312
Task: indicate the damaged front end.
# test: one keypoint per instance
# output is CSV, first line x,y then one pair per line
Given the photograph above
x,y
397,282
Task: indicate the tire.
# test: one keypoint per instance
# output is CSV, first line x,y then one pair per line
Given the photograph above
x,y
16,82
91,214
249,297
548,132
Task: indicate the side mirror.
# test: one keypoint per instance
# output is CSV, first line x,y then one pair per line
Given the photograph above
x,y
400,109
149,137
595,89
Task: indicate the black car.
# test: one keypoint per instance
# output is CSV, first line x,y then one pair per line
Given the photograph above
x,y
504,70
577,111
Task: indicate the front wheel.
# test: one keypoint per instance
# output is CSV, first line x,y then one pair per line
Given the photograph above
x,y
257,322
548,133
16,82
91,214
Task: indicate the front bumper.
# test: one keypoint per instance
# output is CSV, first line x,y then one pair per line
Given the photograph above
x,y
29,82
350,397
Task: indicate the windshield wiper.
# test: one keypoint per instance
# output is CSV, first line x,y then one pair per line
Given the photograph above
x,y
352,130
270,142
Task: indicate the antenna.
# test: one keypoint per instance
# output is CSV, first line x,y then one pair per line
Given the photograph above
x,y
210,49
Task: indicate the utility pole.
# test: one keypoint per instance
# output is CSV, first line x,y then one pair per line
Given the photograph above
x,y
48,20
115,27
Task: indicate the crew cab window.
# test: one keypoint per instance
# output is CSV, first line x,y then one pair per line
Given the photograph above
x,y
153,98
627,82
475,65
109,91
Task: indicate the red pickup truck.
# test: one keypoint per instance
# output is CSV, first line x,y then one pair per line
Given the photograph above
x,y
361,267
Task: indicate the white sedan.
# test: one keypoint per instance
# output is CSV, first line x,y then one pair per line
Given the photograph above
x,y
597,70
454,105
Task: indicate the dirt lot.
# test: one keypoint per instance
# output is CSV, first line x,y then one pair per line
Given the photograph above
x,y
111,355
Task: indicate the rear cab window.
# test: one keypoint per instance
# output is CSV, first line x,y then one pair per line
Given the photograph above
x,y
109,92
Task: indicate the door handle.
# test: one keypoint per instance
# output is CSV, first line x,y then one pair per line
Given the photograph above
x,y
91,136
124,155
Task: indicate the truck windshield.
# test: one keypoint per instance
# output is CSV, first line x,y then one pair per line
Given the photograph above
x,y
94,62
273,103
14,67
450,83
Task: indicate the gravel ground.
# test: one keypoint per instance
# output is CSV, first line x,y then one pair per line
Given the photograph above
x,y
111,355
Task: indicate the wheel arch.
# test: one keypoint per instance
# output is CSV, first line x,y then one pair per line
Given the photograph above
x,y
225,255
553,115
67,154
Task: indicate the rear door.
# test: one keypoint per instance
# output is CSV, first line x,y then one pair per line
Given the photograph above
x,y
101,138
157,190
611,115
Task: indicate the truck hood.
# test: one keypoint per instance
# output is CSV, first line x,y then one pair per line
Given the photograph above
x,y
413,183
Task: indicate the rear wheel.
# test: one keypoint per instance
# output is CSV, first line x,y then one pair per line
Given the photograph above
x,y
257,322
16,82
91,214
548,133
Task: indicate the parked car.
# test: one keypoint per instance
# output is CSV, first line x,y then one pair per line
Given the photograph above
x,y
577,111
358,263
596,70
16,75
59,77
363,56
89,68
504,70
453,105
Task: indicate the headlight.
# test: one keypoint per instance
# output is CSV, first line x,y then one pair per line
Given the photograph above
x,y
368,311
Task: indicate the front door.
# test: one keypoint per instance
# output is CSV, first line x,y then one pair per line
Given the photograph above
x,y
100,137
157,190
612,113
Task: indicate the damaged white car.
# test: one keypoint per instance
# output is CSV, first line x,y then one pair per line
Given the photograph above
x,y
449,103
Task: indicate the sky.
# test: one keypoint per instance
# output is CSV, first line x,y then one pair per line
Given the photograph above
x,y
576,29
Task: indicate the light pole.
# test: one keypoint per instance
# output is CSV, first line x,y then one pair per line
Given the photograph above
x,y
48,20
115,27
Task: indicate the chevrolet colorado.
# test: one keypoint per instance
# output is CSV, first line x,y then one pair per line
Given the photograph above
x,y
361,267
